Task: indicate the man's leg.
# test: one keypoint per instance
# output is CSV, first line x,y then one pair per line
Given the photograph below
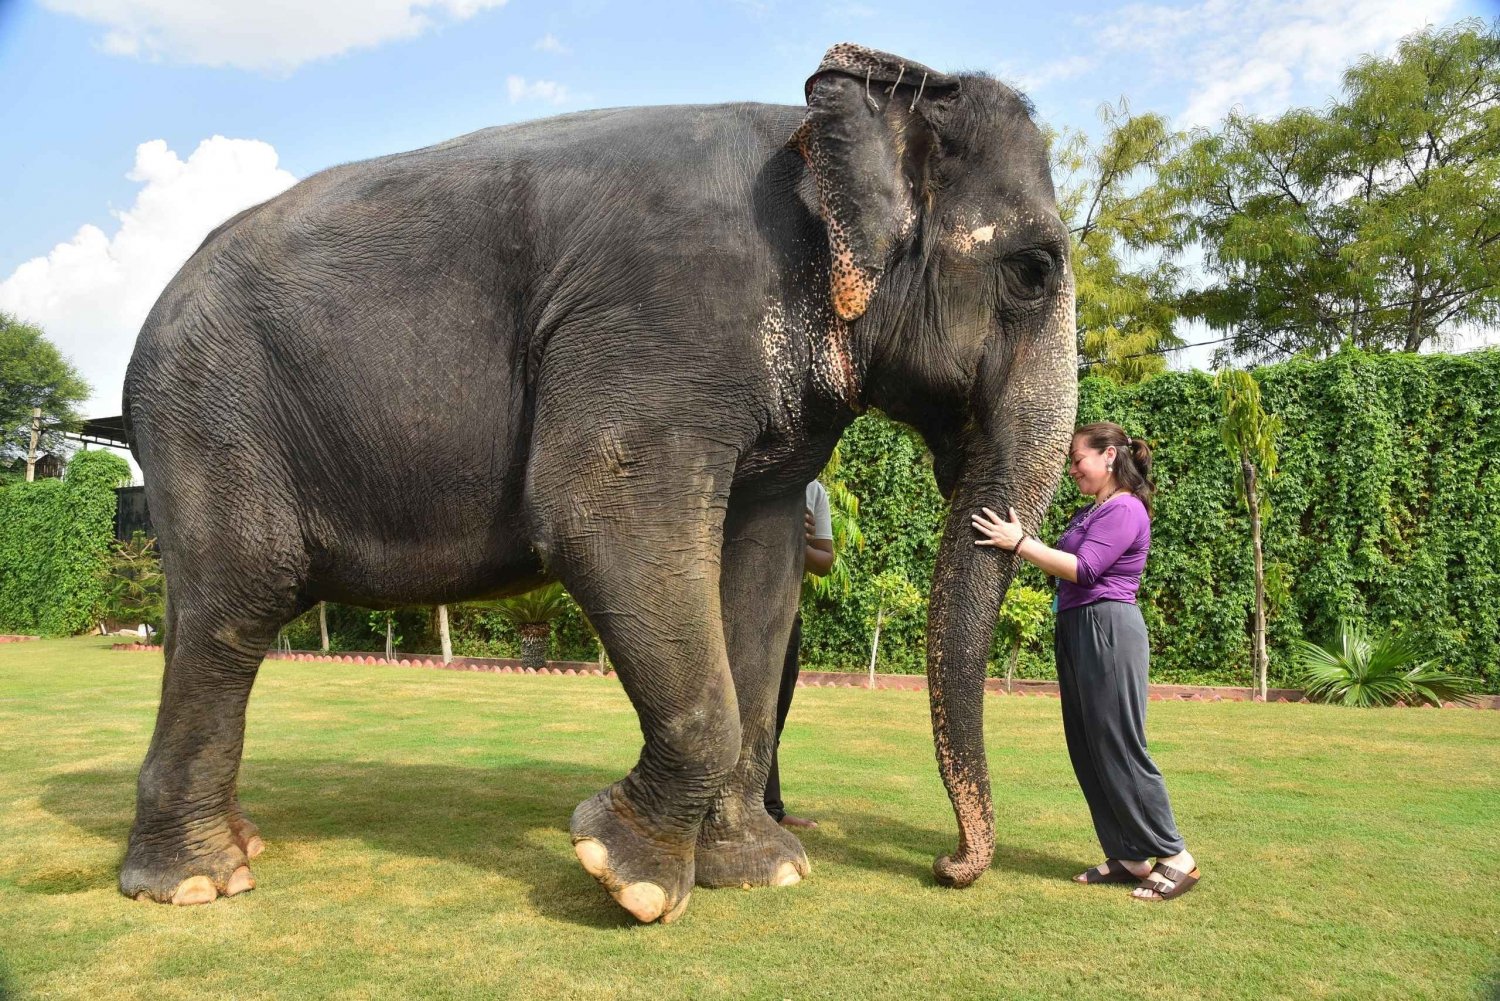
x,y
789,670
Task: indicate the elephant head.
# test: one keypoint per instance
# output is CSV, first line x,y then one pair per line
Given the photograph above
x,y
949,263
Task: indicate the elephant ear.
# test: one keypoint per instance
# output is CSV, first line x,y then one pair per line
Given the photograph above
x,y
867,143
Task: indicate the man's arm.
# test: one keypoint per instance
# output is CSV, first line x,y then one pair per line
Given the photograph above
x,y
817,553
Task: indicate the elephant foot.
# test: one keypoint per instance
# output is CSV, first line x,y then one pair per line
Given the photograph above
x,y
648,875
192,869
750,850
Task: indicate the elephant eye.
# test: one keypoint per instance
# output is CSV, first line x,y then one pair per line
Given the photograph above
x,y
1031,273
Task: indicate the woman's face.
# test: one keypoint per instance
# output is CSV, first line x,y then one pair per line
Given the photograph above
x,y
1089,466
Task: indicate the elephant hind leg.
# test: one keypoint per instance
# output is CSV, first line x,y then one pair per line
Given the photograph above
x,y
191,842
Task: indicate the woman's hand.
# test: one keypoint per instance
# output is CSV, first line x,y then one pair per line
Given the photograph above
x,y
1005,535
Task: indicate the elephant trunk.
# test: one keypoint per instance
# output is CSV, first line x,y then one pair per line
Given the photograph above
x,y
1010,457
960,628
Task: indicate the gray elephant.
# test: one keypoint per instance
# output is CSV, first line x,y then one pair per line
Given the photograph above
x,y
609,349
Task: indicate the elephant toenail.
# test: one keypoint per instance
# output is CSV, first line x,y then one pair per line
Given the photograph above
x,y
646,901
196,890
240,881
593,855
676,912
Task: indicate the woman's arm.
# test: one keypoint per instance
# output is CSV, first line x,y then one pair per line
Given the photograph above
x,y
1010,535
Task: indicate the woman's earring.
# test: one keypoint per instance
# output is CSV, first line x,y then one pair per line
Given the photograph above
x,y
1110,468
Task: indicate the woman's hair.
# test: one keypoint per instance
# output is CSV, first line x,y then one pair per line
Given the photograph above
x,y
1132,457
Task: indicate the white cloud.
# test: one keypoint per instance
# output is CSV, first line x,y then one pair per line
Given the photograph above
x,y
273,35
1257,55
549,43
92,293
1030,79
546,91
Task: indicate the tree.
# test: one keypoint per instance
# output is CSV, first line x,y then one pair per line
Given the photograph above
x,y
1250,438
33,373
384,620
134,589
1121,221
1373,223
896,596
1022,622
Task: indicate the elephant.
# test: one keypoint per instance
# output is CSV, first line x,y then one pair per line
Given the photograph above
x,y
610,349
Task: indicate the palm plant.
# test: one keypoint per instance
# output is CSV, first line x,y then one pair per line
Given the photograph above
x,y
1358,669
532,614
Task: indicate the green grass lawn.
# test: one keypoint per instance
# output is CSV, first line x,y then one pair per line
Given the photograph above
x,y
417,831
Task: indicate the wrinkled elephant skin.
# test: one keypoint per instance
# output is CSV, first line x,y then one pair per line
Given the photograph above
x,y
607,349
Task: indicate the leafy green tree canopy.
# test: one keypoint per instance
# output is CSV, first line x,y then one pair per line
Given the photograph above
x,y
1372,223
33,373
1120,220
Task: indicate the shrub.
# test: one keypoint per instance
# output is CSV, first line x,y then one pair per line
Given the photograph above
x,y
1381,512
1359,669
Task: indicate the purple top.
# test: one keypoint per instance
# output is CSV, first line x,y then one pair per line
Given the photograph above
x,y
1111,542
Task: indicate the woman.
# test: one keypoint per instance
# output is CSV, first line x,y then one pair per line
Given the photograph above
x,y
1103,657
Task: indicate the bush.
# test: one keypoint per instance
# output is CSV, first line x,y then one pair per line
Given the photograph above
x,y
1360,670
477,629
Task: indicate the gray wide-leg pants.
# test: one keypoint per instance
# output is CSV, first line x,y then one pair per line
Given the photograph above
x,y
1102,660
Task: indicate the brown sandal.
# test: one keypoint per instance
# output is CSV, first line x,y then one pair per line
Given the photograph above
x,y
1114,872
1173,882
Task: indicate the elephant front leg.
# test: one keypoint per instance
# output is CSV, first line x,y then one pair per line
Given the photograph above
x,y
641,555
740,844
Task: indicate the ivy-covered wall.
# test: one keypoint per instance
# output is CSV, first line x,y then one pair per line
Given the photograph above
x,y
1386,510
54,541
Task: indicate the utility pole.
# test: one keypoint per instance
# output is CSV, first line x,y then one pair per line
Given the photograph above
x,y
36,435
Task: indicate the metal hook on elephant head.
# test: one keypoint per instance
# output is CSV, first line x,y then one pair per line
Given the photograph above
x,y
873,105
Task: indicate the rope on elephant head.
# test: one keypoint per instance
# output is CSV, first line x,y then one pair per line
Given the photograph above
x,y
914,100
873,105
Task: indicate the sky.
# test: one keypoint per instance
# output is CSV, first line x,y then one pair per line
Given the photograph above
x,y
130,128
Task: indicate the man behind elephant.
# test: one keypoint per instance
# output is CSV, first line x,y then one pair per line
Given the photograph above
x,y
817,560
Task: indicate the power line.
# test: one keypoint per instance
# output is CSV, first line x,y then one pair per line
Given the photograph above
x,y
1154,351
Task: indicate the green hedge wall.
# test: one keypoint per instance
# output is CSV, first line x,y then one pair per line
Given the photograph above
x,y
1385,510
54,541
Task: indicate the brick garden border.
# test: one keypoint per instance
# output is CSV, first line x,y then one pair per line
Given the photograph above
x,y
808,679
12,638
